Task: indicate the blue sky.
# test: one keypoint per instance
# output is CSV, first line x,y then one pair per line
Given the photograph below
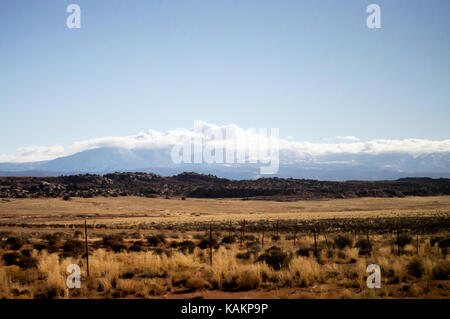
x,y
311,68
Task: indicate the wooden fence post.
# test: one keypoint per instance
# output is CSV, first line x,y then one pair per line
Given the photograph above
x,y
315,243
86,246
417,241
262,242
368,243
277,229
326,240
398,244
295,233
210,245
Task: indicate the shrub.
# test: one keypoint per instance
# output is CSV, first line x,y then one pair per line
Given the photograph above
x,y
26,252
443,242
15,243
156,240
276,258
244,281
180,279
27,262
305,252
250,237
196,283
186,246
441,271
117,247
39,246
73,248
77,234
156,289
115,242
23,262
11,258
228,240
276,238
249,281
161,251
205,243
245,255
415,268
364,246
137,246
403,240
342,241
53,239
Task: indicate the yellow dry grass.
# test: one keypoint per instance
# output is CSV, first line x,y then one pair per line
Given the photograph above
x,y
133,210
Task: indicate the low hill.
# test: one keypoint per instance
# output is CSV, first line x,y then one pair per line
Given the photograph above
x,y
209,186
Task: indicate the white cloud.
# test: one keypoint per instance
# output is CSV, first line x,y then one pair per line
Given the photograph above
x,y
154,139
347,138
34,154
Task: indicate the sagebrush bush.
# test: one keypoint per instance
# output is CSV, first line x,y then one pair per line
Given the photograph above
x,y
137,246
342,241
364,246
114,242
24,262
15,243
415,268
441,271
186,246
196,283
205,243
73,248
246,280
276,238
403,240
228,239
276,258
11,258
156,240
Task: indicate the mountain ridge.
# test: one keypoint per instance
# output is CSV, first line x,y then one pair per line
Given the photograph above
x,y
326,167
191,184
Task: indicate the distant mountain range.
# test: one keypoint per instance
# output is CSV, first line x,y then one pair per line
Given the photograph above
x,y
338,167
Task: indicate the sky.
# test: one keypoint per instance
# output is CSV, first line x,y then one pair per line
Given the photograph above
x,y
313,69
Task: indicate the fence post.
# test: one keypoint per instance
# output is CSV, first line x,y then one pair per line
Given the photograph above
x,y
368,242
295,233
315,243
210,245
262,242
326,240
417,240
277,229
243,234
86,246
398,244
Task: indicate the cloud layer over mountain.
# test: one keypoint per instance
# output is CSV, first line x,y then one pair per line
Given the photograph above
x,y
218,135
